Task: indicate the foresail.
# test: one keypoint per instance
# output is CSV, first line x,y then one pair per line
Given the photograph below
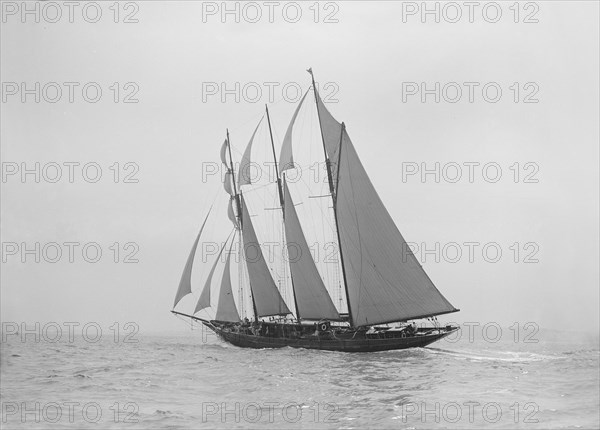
x,y
185,284
385,281
267,299
286,156
312,298
204,300
244,177
226,309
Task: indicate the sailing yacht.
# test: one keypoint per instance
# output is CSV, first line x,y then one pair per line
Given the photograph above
x,y
385,286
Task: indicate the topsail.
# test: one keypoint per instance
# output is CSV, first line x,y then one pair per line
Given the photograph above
x,y
244,176
286,157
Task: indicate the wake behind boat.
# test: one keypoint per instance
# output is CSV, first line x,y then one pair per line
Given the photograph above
x,y
385,286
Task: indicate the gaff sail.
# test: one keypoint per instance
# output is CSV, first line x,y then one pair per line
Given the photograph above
x,y
385,281
267,299
312,298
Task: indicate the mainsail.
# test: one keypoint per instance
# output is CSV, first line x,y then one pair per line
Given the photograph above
x,y
267,299
384,280
204,300
185,284
312,299
226,309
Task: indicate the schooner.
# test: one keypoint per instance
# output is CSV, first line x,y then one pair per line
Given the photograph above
x,y
385,286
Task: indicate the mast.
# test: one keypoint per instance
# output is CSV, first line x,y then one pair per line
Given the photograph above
x,y
279,188
237,196
239,207
333,195
281,202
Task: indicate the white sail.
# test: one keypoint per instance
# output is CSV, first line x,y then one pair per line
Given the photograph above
x,y
204,300
246,163
385,281
231,214
312,298
267,299
286,157
226,309
223,152
331,130
227,183
185,284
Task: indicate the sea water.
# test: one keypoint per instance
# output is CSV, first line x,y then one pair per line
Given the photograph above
x,y
190,379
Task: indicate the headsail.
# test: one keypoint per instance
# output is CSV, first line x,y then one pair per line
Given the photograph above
x,y
244,177
312,298
204,300
226,309
185,284
267,299
385,281
286,157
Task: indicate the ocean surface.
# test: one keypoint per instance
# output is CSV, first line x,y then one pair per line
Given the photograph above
x,y
192,380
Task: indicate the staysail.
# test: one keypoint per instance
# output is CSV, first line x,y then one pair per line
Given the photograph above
x,y
204,300
267,299
312,299
384,280
226,309
185,284
286,157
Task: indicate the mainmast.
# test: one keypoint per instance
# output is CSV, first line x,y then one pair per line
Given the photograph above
x,y
281,202
279,188
240,221
332,191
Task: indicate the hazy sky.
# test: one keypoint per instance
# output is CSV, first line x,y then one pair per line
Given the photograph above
x,y
374,59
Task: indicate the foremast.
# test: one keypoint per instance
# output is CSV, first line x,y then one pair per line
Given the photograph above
x,y
238,199
282,205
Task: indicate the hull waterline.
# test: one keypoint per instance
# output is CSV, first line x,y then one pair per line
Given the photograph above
x,y
371,344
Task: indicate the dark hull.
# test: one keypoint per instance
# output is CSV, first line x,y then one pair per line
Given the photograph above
x,y
364,344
